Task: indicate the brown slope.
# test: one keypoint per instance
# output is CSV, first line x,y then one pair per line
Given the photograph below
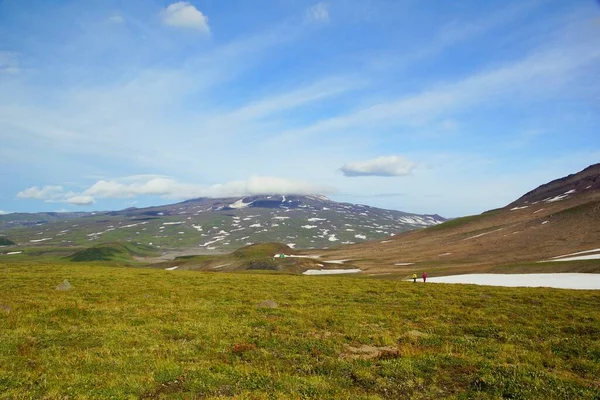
x,y
501,240
581,182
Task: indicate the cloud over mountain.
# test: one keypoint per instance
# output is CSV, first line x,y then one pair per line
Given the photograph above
x,y
166,187
381,166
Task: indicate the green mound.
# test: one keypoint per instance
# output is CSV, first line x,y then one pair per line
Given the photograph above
x,y
111,252
262,250
6,242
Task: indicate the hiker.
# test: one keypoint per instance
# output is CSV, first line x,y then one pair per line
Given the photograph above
x,y
414,277
424,276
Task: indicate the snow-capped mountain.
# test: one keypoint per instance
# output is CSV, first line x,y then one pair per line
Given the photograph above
x,y
312,221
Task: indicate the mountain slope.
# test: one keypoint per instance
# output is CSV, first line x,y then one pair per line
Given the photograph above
x,y
212,225
555,219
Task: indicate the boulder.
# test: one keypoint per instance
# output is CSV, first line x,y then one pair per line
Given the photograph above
x,y
64,286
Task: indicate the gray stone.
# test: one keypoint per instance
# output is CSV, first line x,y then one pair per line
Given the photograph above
x,y
64,286
268,304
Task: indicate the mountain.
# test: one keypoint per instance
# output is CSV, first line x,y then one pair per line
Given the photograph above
x,y
536,233
219,224
585,181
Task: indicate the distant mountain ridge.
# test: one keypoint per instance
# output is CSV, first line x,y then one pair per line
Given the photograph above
x,y
302,221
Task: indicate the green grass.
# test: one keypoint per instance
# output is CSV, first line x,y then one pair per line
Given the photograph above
x,y
143,333
110,252
456,222
262,250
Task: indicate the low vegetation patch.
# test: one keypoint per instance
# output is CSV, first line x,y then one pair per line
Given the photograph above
x,y
6,242
111,252
147,333
456,222
262,251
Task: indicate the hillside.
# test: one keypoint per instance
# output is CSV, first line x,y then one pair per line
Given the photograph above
x,y
111,252
219,225
6,242
555,219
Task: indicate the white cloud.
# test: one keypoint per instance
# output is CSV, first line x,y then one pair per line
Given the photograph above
x,y
170,188
319,13
3,212
44,193
115,19
184,15
381,166
9,62
80,200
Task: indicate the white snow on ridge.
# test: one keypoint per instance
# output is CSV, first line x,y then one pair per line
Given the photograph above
x,y
359,236
10,253
39,240
309,226
331,271
171,268
579,252
165,223
559,281
404,263
483,234
296,256
576,258
337,261
316,219
240,204
518,208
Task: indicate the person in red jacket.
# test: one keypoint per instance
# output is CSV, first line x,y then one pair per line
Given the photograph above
x,y
424,276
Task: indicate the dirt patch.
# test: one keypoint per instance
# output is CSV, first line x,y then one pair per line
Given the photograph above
x,y
366,352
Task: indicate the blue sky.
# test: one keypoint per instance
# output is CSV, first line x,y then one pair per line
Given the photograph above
x,y
423,106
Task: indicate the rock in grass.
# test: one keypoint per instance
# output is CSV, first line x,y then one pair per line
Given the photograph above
x,y
268,304
415,335
5,308
64,286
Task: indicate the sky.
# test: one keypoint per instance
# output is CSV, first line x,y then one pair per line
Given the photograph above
x,y
447,107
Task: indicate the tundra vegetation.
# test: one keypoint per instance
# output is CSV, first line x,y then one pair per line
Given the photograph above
x,y
151,333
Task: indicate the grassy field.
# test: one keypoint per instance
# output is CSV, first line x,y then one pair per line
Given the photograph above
x,y
143,333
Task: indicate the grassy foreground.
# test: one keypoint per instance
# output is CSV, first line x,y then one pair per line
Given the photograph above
x,y
142,333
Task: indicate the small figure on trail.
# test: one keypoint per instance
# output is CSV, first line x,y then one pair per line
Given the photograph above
x,y
424,276
414,277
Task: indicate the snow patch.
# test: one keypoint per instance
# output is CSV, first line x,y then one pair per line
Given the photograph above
x,y
331,271
39,240
240,204
559,281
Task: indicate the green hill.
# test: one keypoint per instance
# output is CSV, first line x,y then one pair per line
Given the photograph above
x,y
6,242
111,252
